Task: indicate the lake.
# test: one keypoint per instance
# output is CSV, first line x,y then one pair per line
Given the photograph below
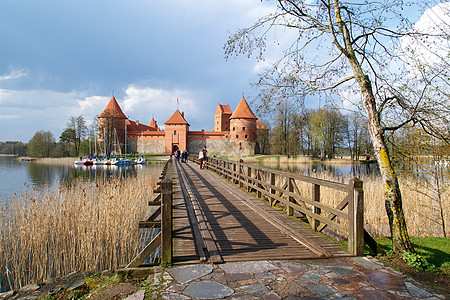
x,y
335,169
19,175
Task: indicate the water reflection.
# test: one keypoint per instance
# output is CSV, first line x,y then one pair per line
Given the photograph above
x,y
17,175
336,170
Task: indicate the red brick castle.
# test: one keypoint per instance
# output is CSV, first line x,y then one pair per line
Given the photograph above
x,y
233,134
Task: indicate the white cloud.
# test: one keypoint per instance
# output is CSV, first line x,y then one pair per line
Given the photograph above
x,y
434,47
143,103
92,105
9,116
351,98
14,74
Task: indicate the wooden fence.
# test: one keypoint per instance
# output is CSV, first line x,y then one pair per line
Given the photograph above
x,y
345,218
160,218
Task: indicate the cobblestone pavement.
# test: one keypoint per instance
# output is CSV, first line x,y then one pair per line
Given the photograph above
x,y
343,278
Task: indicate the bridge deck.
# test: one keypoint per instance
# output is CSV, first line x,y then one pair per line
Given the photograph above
x,y
242,227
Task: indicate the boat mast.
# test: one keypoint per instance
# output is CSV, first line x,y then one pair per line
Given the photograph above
x,y
126,139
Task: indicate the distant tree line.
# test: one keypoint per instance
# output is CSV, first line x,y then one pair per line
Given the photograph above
x,y
73,141
323,133
13,147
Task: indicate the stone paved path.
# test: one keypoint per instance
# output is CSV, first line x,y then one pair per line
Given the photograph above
x,y
343,278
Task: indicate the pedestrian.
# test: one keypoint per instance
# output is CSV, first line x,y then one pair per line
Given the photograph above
x,y
176,155
186,153
200,158
205,156
182,156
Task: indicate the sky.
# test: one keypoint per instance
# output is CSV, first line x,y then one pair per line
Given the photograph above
x,y
67,58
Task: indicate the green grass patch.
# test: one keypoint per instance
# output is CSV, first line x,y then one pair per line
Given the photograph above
x,y
436,250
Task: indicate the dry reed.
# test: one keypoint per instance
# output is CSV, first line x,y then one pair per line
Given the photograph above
x,y
86,226
421,209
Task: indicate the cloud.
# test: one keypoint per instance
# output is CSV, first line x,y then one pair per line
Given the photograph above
x,y
92,105
9,116
144,103
431,46
14,74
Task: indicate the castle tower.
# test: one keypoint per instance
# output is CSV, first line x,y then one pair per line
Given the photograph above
x,y
112,123
176,133
222,118
243,123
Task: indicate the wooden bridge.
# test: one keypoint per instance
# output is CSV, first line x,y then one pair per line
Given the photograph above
x,y
231,211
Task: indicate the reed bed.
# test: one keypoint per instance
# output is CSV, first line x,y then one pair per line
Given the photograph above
x,y
422,211
86,226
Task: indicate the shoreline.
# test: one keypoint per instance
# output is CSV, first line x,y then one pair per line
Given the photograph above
x,y
280,159
70,160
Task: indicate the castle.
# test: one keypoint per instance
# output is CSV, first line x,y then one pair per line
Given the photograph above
x,y
234,134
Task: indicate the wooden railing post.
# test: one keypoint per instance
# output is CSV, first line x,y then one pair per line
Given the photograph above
x,y
356,217
272,190
315,197
249,174
241,184
290,210
166,219
258,177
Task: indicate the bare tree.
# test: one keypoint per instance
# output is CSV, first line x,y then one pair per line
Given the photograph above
x,y
78,125
355,46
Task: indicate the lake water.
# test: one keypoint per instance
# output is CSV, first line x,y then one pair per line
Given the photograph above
x,y
19,175
336,170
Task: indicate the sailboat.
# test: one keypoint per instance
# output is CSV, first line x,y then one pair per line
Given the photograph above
x,y
88,161
141,160
121,161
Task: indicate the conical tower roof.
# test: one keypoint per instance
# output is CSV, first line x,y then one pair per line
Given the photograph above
x,y
112,109
177,118
243,111
152,123
261,125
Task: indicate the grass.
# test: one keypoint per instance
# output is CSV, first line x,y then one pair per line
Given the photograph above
x,y
436,250
86,226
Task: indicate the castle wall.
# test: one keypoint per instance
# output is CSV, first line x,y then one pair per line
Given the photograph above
x,y
154,142
223,147
148,147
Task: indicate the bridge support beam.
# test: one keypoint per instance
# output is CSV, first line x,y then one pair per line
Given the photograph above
x,y
356,218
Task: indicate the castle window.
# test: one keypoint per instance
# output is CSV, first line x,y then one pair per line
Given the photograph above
x,y
245,136
237,136
174,132
234,129
243,128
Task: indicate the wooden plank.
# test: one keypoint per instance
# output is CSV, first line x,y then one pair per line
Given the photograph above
x,y
149,224
145,253
166,221
157,198
241,233
200,244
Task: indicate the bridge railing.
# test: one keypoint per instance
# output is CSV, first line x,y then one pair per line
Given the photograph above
x,y
344,218
161,218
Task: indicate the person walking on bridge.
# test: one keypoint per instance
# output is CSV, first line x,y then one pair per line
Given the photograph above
x,y
202,156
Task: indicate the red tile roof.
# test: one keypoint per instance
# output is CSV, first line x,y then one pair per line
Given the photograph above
x,y
260,125
153,123
136,126
177,118
224,108
112,109
243,111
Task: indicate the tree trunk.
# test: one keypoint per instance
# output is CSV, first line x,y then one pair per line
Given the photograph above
x,y
392,195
